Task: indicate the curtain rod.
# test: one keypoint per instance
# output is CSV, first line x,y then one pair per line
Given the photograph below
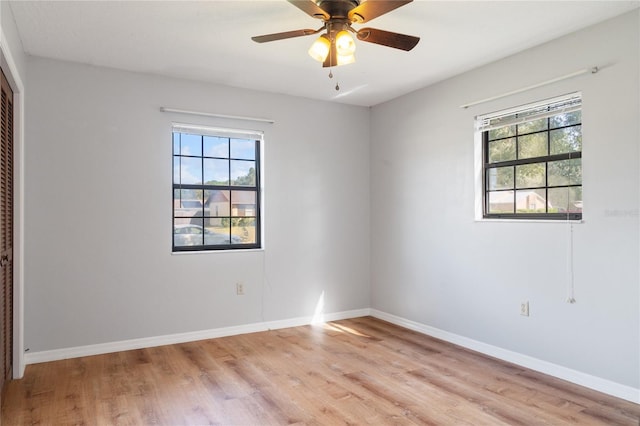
x,y
591,70
210,114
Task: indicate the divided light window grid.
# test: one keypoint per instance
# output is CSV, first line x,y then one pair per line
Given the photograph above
x,y
216,197
532,159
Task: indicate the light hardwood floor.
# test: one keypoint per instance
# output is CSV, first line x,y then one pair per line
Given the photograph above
x,y
358,371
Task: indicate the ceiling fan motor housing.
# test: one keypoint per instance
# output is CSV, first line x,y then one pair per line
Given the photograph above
x,y
339,9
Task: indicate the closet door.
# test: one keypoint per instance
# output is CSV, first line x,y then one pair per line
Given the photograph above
x,y
6,229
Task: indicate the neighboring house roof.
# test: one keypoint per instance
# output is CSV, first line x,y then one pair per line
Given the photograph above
x,y
187,204
239,197
216,197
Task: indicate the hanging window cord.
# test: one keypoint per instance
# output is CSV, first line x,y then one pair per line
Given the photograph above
x,y
570,280
570,276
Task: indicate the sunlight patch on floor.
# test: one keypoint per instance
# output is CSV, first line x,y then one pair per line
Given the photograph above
x,y
343,329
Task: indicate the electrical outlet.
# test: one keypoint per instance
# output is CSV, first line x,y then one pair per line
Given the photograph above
x,y
240,289
524,308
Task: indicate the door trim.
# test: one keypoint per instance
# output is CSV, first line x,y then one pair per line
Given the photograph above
x,y
15,81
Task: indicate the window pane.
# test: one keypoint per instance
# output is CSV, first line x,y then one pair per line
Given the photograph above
x,y
565,172
530,175
531,201
243,149
243,230
216,147
218,231
190,171
502,150
176,143
500,178
187,202
243,173
532,126
565,200
501,202
188,234
243,203
567,119
217,203
534,145
502,132
190,144
565,140
176,169
216,172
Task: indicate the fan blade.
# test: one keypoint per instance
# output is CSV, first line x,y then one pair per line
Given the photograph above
x,y
281,36
386,38
310,8
371,9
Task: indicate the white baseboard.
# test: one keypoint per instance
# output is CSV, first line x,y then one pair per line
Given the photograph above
x,y
592,382
149,342
596,383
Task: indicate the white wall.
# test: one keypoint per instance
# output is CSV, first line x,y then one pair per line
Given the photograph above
x,y
99,266
433,264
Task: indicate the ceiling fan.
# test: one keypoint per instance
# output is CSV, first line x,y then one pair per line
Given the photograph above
x,y
336,46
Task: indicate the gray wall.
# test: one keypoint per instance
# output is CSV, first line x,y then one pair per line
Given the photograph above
x,y
99,266
433,264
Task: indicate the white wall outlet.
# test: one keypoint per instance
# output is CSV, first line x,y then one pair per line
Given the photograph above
x,y
240,289
524,308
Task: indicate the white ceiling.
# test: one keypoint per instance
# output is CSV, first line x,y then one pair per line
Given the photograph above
x,y
211,41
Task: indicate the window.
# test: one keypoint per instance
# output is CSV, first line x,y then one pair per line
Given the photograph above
x,y
532,160
216,189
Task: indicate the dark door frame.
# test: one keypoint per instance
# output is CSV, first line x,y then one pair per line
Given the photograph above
x,y
14,78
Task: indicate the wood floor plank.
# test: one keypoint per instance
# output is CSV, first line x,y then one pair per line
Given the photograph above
x,y
358,371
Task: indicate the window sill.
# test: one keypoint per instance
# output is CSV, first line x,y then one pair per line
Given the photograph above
x,y
560,221
189,252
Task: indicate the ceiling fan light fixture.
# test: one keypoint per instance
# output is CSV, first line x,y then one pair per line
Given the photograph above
x,y
346,59
345,45
320,48
337,46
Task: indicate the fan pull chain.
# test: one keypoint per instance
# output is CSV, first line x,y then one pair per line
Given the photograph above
x,y
331,76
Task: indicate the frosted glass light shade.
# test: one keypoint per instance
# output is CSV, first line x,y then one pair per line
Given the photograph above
x,y
345,45
319,50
